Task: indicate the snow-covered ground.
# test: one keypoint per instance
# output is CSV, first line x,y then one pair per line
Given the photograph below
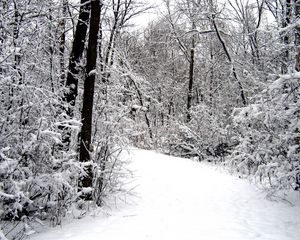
x,y
181,199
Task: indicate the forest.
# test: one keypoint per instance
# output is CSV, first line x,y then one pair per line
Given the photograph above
x,y
209,80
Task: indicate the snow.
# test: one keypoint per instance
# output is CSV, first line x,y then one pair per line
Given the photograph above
x,y
93,72
182,199
2,237
141,108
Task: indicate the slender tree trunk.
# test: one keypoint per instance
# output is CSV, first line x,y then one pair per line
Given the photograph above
x,y
191,76
297,36
62,42
242,94
51,51
108,58
74,60
88,95
143,105
212,75
16,29
286,38
76,54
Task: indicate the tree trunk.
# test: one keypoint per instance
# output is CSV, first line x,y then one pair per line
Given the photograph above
x,y
297,36
108,58
73,69
76,53
62,42
242,94
88,94
212,75
143,105
191,76
286,38
16,29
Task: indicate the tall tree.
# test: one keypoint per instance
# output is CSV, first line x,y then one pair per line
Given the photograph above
x,y
234,72
191,70
190,10
62,41
76,54
286,21
88,94
297,36
71,82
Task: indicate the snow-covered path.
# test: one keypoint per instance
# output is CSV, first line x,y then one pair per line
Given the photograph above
x,y
181,199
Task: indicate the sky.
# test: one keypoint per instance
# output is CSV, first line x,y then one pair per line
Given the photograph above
x,y
143,20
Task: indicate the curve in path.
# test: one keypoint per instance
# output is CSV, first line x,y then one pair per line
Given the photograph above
x,y
185,200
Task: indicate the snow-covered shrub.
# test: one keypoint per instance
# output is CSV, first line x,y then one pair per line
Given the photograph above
x,y
202,137
114,129
180,140
37,177
268,133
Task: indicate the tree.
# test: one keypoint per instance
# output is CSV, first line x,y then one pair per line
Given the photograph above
x,y
63,40
190,10
88,94
34,169
297,36
242,94
39,178
75,55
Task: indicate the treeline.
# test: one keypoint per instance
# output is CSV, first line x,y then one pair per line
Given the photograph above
x,y
221,83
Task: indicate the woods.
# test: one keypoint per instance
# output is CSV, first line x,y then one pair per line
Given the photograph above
x,y
209,80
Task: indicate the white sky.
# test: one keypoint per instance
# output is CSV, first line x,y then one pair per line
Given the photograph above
x,y
143,20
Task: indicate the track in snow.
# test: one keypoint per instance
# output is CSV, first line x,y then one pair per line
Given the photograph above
x,y
185,200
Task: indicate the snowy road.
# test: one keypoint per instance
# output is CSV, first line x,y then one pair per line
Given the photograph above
x,y
185,200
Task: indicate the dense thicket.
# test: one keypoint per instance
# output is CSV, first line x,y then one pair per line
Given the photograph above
x,y
46,49
220,83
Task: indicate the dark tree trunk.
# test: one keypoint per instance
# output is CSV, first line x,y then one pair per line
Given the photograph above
x,y
62,42
297,36
73,69
88,94
51,52
286,38
108,58
76,54
190,89
16,29
143,105
242,93
212,75
191,77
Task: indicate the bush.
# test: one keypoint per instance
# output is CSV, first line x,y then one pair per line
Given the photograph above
x,y
268,133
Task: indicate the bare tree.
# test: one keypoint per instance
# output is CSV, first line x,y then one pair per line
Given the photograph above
x,y
88,94
191,9
297,36
62,41
76,54
242,94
